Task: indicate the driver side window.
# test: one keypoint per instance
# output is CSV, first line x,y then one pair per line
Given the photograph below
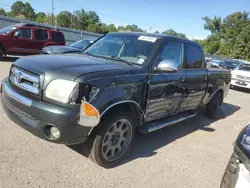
x,y
172,51
24,33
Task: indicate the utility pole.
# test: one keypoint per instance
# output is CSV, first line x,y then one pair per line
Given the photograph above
x,y
52,19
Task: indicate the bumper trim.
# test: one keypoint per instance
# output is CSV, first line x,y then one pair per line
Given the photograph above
x,y
16,96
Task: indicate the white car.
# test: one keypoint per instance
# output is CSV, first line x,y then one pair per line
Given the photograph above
x,y
241,76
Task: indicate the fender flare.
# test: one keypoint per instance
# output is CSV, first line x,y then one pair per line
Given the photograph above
x,y
122,102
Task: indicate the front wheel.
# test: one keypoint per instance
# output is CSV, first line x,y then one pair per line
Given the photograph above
x,y
113,139
2,55
213,105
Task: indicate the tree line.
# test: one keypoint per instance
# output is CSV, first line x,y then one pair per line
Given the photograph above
x,y
79,19
230,37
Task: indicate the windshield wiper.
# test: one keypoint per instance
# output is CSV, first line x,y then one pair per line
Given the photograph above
x,y
120,59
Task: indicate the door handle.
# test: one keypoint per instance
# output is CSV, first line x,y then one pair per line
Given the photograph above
x,y
181,79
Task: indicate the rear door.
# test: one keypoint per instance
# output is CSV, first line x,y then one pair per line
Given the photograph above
x,y
166,90
41,36
196,76
20,43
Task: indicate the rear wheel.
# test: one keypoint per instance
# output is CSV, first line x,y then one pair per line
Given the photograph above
x,y
113,139
213,105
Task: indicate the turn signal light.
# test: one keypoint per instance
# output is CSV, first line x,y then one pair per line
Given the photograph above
x,y
89,110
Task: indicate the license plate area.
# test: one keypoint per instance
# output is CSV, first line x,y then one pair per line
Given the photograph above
x,y
241,83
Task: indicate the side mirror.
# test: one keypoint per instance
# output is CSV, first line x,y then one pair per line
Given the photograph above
x,y
167,65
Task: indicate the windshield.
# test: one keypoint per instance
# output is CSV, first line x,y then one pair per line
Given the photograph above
x,y
8,29
244,67
130,48
81,44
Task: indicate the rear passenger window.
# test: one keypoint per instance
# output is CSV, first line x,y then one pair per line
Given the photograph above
x,y
41,35
193,57
57,36
173,51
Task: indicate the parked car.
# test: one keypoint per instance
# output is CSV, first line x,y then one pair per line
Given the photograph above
x,y
241,76
215,63
122,83
76,47
229,64
26,39
237,173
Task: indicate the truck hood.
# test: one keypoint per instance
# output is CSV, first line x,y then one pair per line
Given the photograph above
x,y
68,66
60,49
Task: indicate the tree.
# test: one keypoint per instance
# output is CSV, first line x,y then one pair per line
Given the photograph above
x,y
241,48
213,25
2,12
65,19
22,10
156,32
17,8
121,28
41,17
81,17
28,11
174,33
111,28
92,18
48,19
133,28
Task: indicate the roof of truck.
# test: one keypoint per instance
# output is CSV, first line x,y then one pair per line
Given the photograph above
x,y
158,36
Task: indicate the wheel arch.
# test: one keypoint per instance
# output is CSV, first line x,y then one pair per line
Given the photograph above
x,y
128,105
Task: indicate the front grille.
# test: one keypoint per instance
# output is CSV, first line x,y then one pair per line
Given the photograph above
x,y
243,77
25,80
20,112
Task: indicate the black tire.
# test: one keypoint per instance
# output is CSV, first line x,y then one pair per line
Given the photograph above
x,y
213,105
104,131
2,53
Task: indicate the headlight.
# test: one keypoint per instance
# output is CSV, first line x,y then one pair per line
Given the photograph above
x,y
62,90
243,140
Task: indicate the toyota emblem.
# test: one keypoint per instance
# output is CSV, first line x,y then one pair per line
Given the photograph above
x,y
19,77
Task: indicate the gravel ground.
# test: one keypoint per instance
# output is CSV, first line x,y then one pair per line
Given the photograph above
x,y
193,153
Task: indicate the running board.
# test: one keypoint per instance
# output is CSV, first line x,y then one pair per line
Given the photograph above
x,y
156,125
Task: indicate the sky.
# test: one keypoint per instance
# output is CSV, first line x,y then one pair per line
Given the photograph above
x,y
183,16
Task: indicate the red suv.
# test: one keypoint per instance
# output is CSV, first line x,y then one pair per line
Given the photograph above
x,y
25,39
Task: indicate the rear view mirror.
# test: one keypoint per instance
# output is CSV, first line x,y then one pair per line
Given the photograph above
x,y
167,65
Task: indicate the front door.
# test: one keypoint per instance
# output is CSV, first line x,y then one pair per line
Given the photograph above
x,y
21,41
196,76
40,37
166,91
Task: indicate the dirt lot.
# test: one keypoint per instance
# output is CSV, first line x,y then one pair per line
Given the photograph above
x,y
193,153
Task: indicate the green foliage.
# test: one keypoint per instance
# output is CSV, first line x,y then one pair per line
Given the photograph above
x,y
41,17
22,10
65,19
174,33
229,37
2,12
213,25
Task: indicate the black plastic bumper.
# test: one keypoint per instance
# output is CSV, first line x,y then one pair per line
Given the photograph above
x,y
36,116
